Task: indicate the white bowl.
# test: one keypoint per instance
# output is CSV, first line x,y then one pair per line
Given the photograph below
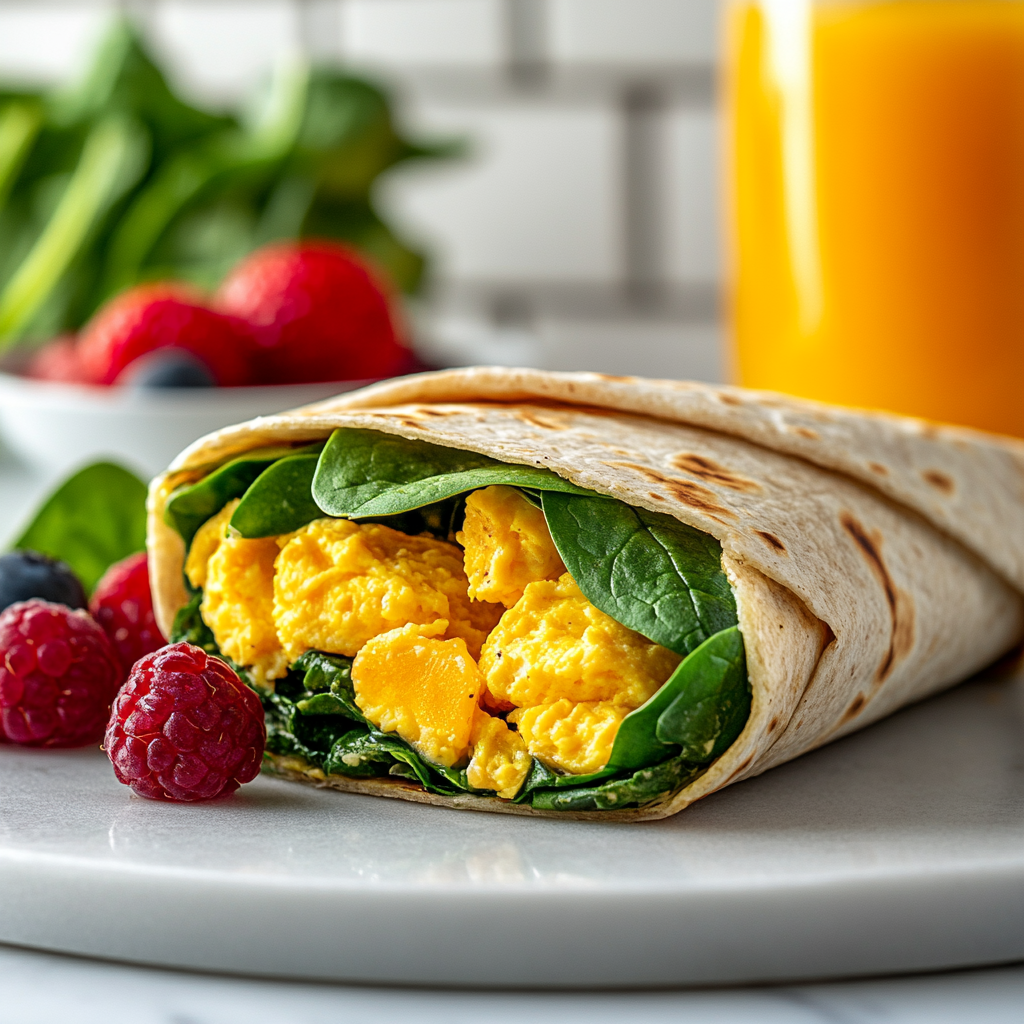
x,y
57,427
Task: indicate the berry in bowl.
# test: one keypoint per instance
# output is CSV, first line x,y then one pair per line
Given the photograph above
x,y
162,364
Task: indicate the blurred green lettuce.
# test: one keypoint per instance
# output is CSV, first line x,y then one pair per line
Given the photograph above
x,y
116,180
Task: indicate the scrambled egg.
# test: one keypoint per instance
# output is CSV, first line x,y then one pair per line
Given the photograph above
x,y
338,584
507,545
576,738
555,644
415,617
237,577
500,759
425,689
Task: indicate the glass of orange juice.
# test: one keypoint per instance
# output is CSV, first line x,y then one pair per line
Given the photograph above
x,y
876,203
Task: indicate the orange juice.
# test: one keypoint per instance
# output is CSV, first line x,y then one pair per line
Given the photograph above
x,y
876,163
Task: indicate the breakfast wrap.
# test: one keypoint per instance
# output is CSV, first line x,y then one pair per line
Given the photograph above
x,y
580,595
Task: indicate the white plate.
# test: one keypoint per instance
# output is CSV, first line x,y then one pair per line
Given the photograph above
x,y
897,849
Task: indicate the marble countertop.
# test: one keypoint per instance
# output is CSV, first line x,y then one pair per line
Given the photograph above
x,y
40,988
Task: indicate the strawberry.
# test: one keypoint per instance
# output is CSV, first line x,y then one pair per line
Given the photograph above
x,y
157,316
320,314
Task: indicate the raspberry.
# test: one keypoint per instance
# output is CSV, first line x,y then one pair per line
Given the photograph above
x,y
319,314
58,676
123,605
58,360
185,727
161,316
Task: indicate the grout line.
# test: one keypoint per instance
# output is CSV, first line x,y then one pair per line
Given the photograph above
x,y
643,105
526,44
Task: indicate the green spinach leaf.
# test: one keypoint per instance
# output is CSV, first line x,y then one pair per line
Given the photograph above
x,y
645,569
189,627
365,473
696,715
190,506
92,520
640,788
279,500
710,712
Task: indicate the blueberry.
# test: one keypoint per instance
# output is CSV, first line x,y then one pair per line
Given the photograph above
x,y
168,368
26,574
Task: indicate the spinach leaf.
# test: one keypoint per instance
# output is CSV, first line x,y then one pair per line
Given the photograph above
x,y
645,569
543,777
328,698
358,755
364,473
92,520
279,499
640,788
696,715
190,506
710,712
189,627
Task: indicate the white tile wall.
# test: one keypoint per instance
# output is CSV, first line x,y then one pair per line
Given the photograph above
x,y
537,198
47,42
633,31
445,32
691,196
221,49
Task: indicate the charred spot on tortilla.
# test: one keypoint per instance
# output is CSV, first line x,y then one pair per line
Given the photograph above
x,y
538,419
854,709
727,399
714,473
877,467
939,480
773,724
684,491
811,435
772,541
901,606
870,547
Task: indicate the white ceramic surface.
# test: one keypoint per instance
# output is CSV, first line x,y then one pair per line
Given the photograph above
x,y
57,427
900,848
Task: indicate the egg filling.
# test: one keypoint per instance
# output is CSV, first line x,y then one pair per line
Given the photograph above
x,y
482,655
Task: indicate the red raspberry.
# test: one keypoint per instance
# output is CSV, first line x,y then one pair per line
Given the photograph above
x,y
185,727
164,316
58,360
319,312
58,677
123,605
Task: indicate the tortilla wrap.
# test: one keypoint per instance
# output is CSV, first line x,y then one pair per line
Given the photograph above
x,y
875,559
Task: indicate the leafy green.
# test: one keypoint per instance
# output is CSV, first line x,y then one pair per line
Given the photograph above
x,y
710,712
190,506
647,570
115,180
696,715
188,626
279,500
365,473
319,719
639,788
112,160
92,520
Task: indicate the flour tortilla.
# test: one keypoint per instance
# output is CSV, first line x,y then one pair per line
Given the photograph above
x,y
875,559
